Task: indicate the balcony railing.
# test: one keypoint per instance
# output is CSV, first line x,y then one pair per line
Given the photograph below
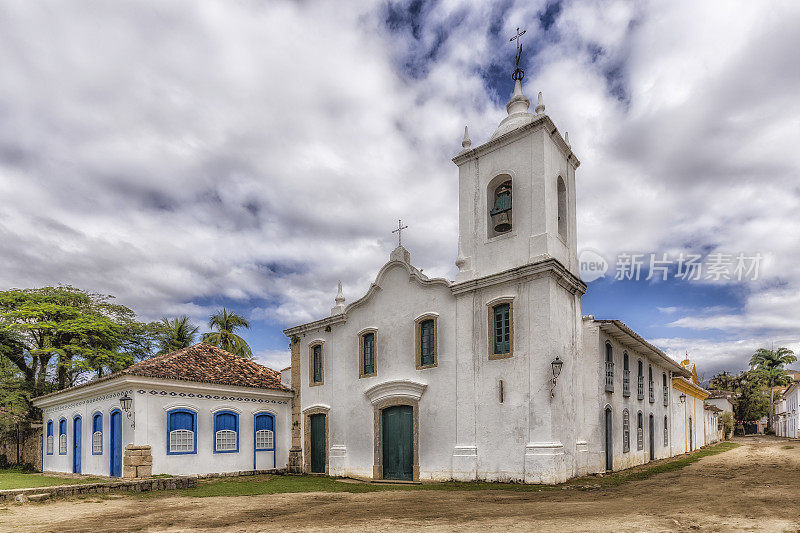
x,y
609,376
640,391
666,396
652,393
626,382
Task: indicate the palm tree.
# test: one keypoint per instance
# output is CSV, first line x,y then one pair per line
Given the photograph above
x,y
224,337
769,363
176,333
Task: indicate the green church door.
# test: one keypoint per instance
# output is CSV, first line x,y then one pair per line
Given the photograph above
x,y
317,444
398,442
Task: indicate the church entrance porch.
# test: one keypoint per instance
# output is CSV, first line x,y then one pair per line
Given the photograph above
x,y
397,425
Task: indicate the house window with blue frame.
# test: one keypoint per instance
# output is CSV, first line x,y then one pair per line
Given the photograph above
x,y
317,376
265,432
181,432
97,434
62,436
49,437
226,432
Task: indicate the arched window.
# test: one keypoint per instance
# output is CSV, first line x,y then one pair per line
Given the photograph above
x,y
49,437
62,436
650,385
265,431
317,364
640,431
609,368
666,431
665,387
562,208
499,194
181,431
640,381
367,351
626,375
425,337
501,327
226,432
626,431
97,434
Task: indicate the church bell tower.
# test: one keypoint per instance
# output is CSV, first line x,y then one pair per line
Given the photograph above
x,y
516,194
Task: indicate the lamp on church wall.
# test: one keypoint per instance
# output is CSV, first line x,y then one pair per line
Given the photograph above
x,y
556,367
126,402
683,398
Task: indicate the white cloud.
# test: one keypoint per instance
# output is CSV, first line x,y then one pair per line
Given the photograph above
x,y
178,152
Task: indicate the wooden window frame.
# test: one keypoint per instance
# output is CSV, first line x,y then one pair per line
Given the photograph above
x,y
490,326
311,382
608,366
626,431
640,431
361,362
418,340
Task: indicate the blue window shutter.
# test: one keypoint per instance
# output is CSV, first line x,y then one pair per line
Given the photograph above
x,y
225,421
264,422
49,428
97,423
181,420
62,427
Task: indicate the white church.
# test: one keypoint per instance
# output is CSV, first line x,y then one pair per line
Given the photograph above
x,y
494,376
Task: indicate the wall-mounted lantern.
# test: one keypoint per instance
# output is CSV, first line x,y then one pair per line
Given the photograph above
x,y
683,398
126,402
556,367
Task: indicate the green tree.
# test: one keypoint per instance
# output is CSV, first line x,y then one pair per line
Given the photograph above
x,y
727,424
13,396
81,331
770,364
723,381
175,333
752,400
224,337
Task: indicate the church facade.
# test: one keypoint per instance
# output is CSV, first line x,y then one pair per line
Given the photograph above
x,y
495,375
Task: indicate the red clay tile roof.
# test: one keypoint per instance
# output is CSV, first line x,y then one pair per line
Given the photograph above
x,y
208,364
200,363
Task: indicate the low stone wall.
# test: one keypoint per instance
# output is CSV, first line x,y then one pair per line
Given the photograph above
x,y
143,485
30,446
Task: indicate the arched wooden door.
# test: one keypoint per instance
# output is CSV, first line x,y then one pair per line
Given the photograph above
x,y
115,467
77,429
398,442
318,440
609,441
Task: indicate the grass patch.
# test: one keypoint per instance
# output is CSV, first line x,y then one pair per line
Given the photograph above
x,y
787,447
14,478
272,484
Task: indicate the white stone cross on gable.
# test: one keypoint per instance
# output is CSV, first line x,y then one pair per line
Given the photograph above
x,y
399,231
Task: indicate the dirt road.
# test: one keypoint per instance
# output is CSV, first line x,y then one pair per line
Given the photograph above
x,y
755,487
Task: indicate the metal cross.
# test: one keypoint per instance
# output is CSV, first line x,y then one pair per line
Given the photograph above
x,y
399,231
519,43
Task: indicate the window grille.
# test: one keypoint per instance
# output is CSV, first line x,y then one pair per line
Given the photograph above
x,y
264,439
225,440
181,440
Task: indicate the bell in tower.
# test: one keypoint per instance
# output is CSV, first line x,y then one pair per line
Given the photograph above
x,y
501,212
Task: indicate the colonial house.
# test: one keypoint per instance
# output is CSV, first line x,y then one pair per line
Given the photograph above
x,y
197,410
721,399
787,415
495,375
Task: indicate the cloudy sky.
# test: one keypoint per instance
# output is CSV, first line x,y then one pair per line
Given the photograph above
x,y
186,155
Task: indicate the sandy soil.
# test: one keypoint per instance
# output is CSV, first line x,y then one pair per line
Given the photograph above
x,y
753,488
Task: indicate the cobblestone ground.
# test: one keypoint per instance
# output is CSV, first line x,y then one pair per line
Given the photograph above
x,y
755,487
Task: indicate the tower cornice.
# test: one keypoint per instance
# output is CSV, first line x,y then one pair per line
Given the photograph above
x,y
540,121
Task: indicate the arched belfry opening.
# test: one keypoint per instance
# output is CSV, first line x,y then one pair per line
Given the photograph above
x,y
500,195
562,208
